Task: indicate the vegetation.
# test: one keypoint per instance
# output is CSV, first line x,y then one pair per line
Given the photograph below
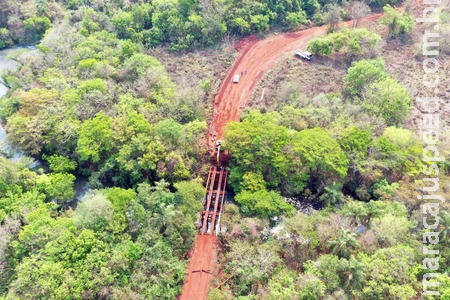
x,y
112,244
352,43
324,186
348,154
399,24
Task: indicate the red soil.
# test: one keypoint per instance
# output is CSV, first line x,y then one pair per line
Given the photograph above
x,y
256,58
200,269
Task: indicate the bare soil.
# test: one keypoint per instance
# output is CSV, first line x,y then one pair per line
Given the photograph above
x,y
256,58
201,268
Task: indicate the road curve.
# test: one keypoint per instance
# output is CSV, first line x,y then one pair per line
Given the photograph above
x,y
256,58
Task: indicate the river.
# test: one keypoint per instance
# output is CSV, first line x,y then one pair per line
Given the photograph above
x,y
7,64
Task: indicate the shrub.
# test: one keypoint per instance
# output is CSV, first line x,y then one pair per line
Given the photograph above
x,y
387,99
399,23
96,84
295,19
353,43
5,38
362,74
37,26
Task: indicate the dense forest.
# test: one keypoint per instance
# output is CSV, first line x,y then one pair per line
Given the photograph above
x,y
177,24
324,187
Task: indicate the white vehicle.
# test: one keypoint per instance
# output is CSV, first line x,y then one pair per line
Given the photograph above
x,y
303,54
236,78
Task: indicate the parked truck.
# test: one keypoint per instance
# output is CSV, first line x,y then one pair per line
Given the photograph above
x,y
303,54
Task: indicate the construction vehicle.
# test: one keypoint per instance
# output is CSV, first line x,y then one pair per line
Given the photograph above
x,y
303,54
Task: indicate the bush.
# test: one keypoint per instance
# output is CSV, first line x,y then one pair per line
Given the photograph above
x,y
263,203
5,38
387,99
398,23
353,43
37,26
96,84
295,19
364,73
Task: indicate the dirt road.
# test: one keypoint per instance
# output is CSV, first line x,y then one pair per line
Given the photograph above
x,y
200,266
256,58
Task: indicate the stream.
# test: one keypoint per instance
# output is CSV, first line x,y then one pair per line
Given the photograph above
x,y
7,64
81,186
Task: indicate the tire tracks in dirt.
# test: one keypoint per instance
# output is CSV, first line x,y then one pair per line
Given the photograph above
x,y
256,58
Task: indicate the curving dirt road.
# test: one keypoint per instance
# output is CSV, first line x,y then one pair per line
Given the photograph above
x,y
256,58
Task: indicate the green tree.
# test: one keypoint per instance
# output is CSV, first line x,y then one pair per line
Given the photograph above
x,y
253,182
282,285
321,46
354,275
60,164
61,187
389,100
321,154
37,26
332,16
259,145
344,245
329,269
380,281
444,227
38,278
251,265
26,133
312,289
5,38
398,23
299,237
332,194
295,19
391,230
400,150
364,73
263,203
353,43
383,188
189,195
94,212
96,138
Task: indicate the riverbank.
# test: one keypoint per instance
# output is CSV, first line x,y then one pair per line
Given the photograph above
x,y
7,64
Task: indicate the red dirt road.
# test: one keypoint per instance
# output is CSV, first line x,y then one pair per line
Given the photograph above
x,y
198,278
256,58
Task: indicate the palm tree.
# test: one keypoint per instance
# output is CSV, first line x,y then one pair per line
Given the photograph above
x,y
332,195
444,227
373,211
354,275
344,245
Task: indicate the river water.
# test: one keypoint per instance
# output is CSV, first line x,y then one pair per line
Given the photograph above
x,y
7,64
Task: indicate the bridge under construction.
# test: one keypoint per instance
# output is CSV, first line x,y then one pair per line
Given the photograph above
x,y
212,203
